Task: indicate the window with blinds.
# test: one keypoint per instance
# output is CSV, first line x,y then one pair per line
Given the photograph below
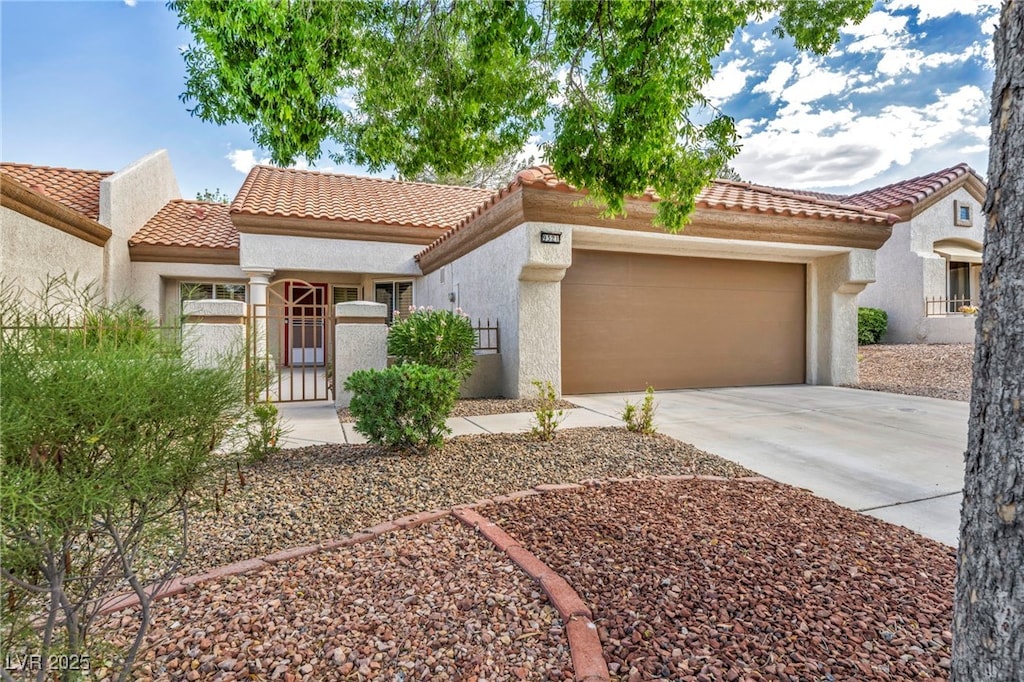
x,y
345,294
204,291
397,296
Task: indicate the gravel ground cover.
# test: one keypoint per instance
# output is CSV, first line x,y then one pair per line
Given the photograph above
x,y
935,371
312,494
476,407
709,580
436,602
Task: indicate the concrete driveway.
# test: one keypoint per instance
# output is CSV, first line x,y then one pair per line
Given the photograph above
x,y
896,457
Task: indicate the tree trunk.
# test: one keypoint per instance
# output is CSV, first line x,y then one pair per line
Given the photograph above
x,y
988,620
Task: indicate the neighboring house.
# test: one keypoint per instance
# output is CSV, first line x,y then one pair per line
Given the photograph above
x,y
759,289
77,222
930,268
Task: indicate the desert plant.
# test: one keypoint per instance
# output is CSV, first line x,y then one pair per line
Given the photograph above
x,y
871,325
439,338
259,432
104,439
640,418
546,416
404,406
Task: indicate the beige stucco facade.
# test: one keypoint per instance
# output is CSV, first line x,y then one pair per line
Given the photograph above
x,y
909,271
32,251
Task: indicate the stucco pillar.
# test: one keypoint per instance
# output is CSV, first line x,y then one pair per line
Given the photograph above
x,y
834,284
259,281
540,308
213,332
360,342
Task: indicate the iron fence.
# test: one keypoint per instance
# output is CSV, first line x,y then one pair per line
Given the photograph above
x,y
938,306
488,337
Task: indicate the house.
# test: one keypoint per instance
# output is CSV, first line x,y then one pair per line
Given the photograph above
x,y
930,268
759,289
60,220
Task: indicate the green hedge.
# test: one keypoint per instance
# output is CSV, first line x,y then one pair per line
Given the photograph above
x,y
404,406
871,325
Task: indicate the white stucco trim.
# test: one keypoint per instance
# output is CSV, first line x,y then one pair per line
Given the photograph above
x,y
315,254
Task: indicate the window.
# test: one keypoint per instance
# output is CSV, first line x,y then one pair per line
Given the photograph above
x,y
397,296
345,294
959,285
962,214
200,291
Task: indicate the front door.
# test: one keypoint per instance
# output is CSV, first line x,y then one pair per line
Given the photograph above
x,y
305,323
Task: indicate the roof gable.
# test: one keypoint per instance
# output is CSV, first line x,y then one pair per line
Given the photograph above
x,y
76,189
917,192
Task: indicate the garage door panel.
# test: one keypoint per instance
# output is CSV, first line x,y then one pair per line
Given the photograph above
x,y
629,320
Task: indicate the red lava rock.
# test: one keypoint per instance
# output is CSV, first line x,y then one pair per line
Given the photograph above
x,y
709,579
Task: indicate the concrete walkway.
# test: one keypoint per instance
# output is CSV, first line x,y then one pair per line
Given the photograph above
x,y
315,423
896,457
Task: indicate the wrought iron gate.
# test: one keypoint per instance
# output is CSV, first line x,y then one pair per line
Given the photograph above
x,y
290,342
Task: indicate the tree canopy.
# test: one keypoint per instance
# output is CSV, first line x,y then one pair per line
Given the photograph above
x,y
443,86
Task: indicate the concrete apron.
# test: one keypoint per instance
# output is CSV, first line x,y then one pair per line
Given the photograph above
x,y
896,457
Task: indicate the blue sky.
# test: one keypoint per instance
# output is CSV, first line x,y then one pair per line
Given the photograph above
x,y
96,85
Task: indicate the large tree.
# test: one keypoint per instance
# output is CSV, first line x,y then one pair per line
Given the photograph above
x,y
444,86
988,623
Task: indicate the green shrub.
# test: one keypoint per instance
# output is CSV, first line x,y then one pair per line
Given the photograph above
x,y
546,417
404,406
107,432
871,325
438,338
640,419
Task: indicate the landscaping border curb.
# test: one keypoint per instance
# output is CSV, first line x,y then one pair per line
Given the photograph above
x,y
584,643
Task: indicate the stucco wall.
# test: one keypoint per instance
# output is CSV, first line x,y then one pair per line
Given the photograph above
x,y
310,254
514,279
908,271
30,251
833,284
129,198
154,286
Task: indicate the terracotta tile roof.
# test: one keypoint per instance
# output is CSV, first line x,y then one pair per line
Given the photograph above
x,y
726,195
183,222
721,195
910,191
288,193
79,190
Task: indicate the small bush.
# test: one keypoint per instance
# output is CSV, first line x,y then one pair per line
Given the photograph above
x,y
438,338
260,432
404,406
547,418
871,325
640,419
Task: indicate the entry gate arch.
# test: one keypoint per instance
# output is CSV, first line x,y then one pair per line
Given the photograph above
x,y
290,342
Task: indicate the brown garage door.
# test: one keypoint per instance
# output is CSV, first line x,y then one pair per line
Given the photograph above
x,y
629,320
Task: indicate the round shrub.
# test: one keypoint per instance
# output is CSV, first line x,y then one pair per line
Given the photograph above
x,y
439,338
871,325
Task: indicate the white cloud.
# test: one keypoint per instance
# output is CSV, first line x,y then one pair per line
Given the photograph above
x,y
131,3
761,45
900,60
242,160
842,148
729,81
879,31
936,9
814,81
776,81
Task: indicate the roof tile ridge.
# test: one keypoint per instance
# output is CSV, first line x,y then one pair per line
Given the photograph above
x,y
512,187
36,166
369,178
